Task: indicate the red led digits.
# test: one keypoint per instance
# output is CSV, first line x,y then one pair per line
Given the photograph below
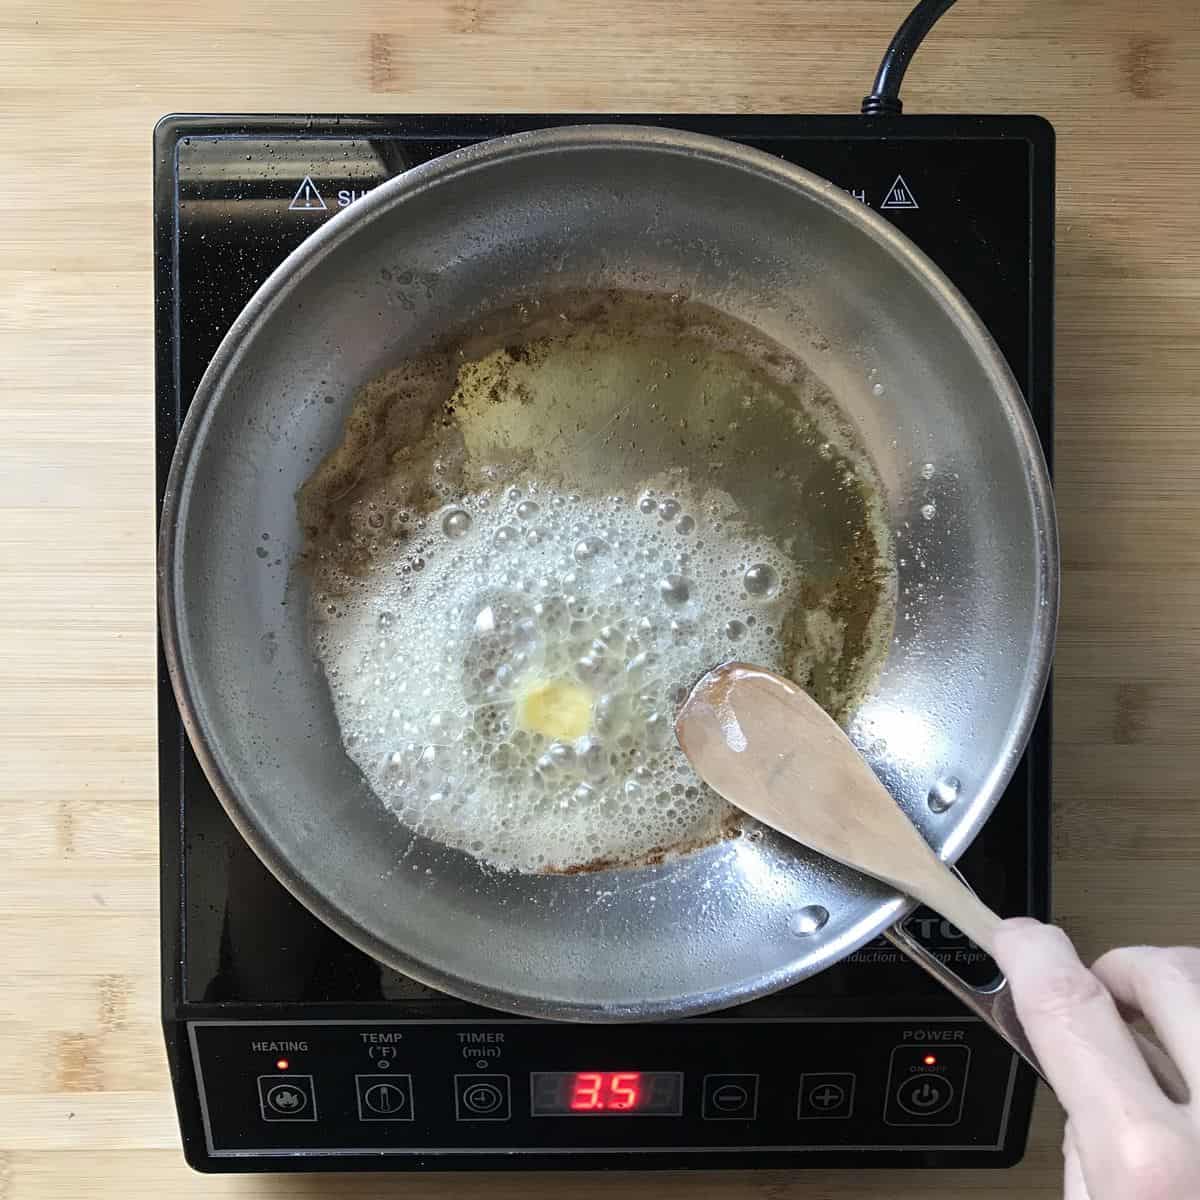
x,y
585,1091
606,1093
625,1089
599,1091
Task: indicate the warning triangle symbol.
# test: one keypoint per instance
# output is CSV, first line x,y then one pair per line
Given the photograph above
x,y
899,195
307,198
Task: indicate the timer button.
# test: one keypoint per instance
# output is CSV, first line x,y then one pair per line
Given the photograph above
x,y
482,1098
730,1098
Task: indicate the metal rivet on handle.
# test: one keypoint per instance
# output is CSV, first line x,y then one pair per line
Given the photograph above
x,y
944,793
808,920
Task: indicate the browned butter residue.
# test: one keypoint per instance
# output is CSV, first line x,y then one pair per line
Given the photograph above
x,y
360,508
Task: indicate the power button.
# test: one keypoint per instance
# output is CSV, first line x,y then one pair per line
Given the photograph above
x,y
925,1095
926,1085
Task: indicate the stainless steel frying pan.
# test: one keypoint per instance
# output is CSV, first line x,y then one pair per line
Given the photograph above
x,y
794,257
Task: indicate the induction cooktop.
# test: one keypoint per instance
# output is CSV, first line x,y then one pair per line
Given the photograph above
x,y
290,1049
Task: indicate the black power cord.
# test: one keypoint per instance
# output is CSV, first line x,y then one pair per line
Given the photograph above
x,y
884,100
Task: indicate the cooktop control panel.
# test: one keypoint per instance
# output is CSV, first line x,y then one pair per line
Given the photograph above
x,y
435,1088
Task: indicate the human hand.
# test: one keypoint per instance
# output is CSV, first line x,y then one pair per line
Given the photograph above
x,y
1125,1139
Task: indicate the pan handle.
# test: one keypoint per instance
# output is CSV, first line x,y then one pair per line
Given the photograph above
x,y
994,1003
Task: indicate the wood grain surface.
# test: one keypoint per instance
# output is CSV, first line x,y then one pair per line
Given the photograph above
x,y
84,1106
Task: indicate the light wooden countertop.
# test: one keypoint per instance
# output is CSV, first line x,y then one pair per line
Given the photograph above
x,y
84,1105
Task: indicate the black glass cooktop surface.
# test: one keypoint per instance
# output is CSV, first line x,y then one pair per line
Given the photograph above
x,y
232,197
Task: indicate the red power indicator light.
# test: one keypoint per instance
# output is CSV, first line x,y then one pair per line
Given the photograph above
x,y
930,1060
282,1064
601,1091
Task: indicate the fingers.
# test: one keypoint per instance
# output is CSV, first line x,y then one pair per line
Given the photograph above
x,y
1164,986
1086,1050
1074,1186
1125,1139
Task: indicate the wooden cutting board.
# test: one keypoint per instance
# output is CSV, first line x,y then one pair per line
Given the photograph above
x,y
84,1103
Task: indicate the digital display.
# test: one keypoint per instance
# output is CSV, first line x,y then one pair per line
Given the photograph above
x,y
607,1093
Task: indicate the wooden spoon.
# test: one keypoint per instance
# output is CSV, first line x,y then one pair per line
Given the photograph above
x,y
772,751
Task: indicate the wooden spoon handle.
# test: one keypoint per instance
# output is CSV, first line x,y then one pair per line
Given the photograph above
x,y
944,892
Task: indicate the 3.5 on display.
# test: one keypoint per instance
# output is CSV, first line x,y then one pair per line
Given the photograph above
x,y
607,1093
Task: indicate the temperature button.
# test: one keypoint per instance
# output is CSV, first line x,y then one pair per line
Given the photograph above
x,y
384,1097
482,1098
